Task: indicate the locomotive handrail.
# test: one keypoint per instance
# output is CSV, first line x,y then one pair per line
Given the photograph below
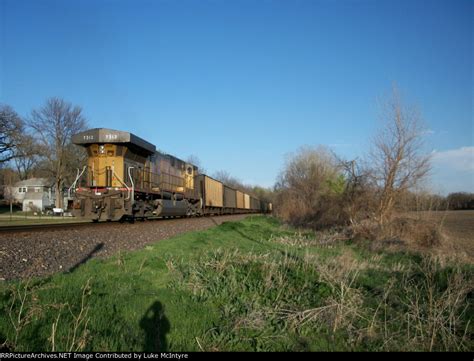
x,y
121,181
75,181
133,185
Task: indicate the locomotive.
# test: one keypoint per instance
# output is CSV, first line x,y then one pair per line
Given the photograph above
x,y
126,178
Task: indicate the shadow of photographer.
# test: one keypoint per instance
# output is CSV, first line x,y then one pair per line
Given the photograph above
x,y
156,326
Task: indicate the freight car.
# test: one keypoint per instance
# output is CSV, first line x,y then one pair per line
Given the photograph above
x,y
126,178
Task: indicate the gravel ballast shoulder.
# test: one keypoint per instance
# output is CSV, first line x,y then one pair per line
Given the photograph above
x,y
42,253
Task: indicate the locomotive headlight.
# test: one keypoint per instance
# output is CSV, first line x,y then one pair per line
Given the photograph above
x,y
101,149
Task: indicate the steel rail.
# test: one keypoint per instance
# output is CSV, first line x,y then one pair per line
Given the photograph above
x,y
43,227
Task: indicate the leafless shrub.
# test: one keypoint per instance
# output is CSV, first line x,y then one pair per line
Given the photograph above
x,y
358,199
406,232
422,233
309,189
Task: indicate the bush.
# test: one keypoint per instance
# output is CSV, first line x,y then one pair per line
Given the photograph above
x,y
310,190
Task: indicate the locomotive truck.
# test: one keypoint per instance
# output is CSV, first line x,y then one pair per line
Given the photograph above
x,y
126,178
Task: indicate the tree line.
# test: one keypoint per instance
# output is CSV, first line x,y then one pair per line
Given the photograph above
x,y
39,144
316,188
369,195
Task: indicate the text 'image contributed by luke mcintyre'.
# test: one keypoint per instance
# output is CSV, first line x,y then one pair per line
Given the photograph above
x,y
98,355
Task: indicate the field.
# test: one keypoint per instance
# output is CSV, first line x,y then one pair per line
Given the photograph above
x,y
457,226
251,285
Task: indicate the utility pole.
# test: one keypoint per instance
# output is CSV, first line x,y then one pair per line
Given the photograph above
x,y
10,194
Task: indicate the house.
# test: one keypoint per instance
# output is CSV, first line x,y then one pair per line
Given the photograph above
x,y
36,194
21,188
33,194
36,201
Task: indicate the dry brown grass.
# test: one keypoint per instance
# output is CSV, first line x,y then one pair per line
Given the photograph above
x,y
301,239
457,229
432,318
445,234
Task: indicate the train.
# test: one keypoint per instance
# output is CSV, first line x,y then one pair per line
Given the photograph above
x,y
126,179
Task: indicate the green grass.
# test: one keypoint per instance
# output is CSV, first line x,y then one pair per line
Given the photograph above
x,y
252,286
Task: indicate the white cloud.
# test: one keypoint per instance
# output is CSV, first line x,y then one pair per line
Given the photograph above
x,y
453,170
461,159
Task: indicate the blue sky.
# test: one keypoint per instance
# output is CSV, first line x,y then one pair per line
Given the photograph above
x,y
240,84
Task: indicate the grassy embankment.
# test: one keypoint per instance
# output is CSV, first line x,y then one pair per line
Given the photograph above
x,y
249,285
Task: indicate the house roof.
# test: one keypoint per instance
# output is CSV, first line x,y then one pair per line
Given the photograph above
x,y
38,182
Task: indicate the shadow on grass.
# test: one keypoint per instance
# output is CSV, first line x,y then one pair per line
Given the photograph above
x,y
96,249
156,326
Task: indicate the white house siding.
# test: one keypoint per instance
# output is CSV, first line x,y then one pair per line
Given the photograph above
x,y
35,201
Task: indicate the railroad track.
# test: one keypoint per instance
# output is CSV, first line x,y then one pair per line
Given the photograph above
x,y
72,225
43,227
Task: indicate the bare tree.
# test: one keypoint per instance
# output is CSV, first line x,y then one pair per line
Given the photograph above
x,y
11,127
27,155
53,125
225,177
76,158
397,157
194,160
358,192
